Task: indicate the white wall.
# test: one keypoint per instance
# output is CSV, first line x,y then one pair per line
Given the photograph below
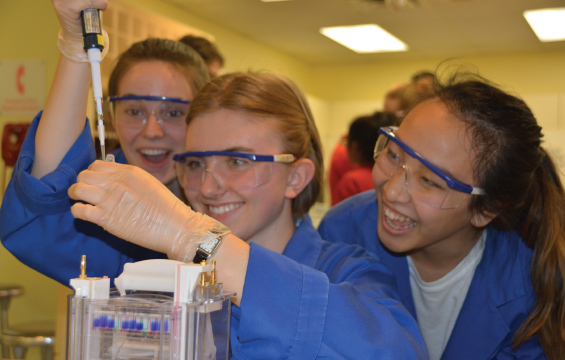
x,y
549,110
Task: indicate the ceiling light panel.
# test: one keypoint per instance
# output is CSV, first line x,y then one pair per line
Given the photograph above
x,y
369,38
548,24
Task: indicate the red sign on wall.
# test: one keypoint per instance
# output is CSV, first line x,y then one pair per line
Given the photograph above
x,y
23,87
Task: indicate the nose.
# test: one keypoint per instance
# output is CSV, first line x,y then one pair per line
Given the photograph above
x,y
153,127
395,189
211,185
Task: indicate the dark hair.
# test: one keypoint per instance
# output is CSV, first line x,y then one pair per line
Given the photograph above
x,y
273,98
204,48
170,51
363,132
522,187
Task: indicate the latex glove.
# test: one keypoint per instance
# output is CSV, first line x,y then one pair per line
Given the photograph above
x,y
133,205
70,36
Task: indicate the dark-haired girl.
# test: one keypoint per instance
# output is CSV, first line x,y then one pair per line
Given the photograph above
x,y
469,215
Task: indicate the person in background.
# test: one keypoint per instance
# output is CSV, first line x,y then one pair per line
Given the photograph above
x,y
424,81
399,99
339,166
420,88
468,212
253,161
340,162
150,91
393,98
209,52
361,138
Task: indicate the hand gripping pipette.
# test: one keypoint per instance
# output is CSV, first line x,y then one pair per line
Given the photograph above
x,y
93,43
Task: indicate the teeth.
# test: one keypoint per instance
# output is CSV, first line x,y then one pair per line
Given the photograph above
x,y
223,209
393,216
390,217
153,152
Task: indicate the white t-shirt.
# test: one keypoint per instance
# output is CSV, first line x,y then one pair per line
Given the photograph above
x,y
438,302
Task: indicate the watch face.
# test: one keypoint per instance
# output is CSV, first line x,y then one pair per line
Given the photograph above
x,y
209,246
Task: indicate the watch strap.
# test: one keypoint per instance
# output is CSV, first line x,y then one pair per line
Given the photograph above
x,y
200,255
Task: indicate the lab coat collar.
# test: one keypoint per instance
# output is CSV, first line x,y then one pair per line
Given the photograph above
x,y
305,245
499,281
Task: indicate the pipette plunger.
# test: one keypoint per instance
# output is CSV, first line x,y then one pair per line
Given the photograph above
x,y
93,42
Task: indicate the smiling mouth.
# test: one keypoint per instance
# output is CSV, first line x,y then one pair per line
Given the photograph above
x,y
398,222
154,155
218,210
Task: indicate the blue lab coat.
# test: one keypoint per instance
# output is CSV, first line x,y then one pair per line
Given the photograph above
x,y
500,295
326,305
37,227
343,307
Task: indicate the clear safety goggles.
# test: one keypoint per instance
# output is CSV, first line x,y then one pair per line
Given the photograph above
x,y
133,111
230,170
424,181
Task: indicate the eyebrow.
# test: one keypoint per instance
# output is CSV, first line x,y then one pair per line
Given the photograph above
x,y
232,149
240,149
441,168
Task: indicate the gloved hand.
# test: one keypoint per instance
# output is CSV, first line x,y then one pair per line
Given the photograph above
x,y
133,205
70,36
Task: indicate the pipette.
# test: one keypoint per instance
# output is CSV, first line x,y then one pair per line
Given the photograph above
x,y
93,43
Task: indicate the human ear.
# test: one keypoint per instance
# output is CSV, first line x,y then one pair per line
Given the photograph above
x,y
299,177
482,219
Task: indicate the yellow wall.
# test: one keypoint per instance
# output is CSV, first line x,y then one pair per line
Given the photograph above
x,y
240,52
524,72
28,30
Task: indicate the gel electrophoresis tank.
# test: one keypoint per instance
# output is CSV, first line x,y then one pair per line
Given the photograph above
x,y
168,310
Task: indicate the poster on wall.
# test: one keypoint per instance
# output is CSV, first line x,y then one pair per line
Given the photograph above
x,y
23,87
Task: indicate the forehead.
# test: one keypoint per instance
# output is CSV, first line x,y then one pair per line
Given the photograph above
x,y
154,77
439,137
226,129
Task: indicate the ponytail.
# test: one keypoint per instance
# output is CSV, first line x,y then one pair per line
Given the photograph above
x,y
544,230
522,186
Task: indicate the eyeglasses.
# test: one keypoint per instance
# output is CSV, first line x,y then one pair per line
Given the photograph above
x,y
133,111
231,170
424,181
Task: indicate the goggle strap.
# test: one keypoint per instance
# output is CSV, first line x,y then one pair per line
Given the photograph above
x,y
284,158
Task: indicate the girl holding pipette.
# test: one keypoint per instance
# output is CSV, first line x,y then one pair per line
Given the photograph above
x,y
59,144
252,168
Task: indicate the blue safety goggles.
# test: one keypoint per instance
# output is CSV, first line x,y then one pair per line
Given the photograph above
x,y
147,98
453,183
230,170
133,111
285,158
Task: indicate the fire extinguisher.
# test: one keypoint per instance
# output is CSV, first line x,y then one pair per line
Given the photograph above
x,y
12,140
